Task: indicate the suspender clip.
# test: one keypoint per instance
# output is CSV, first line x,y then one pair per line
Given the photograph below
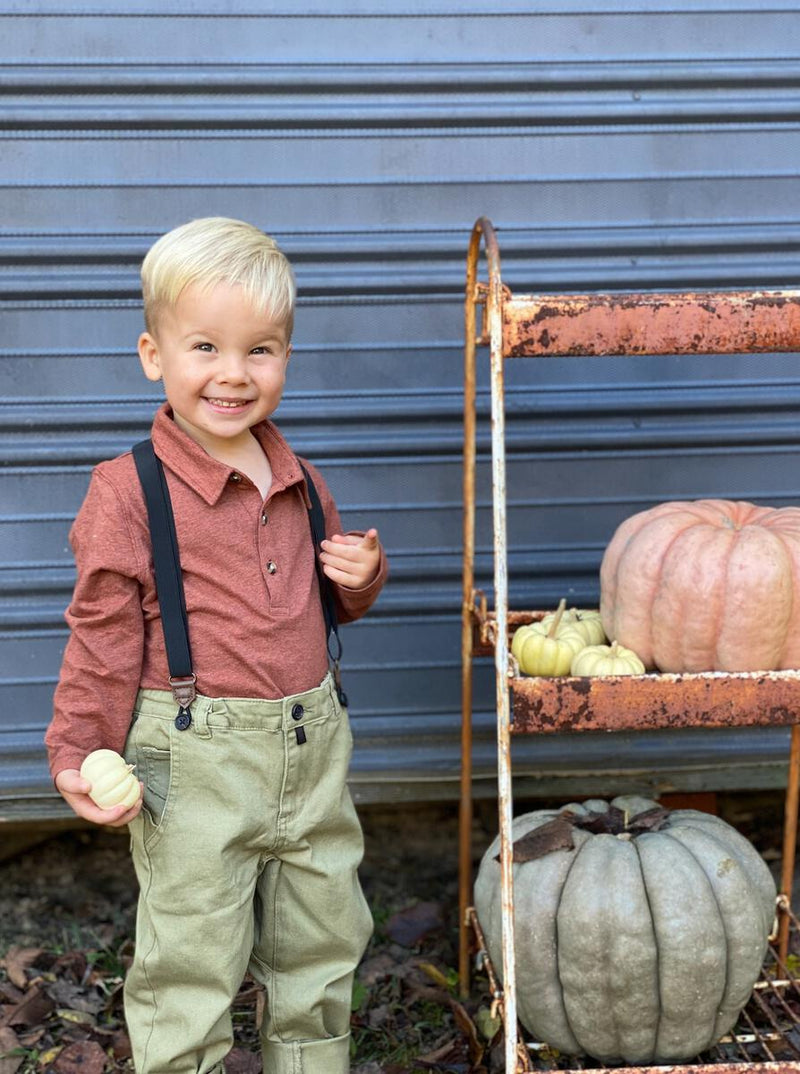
x,y
183,689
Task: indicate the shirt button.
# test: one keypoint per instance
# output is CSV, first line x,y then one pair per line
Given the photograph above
x,y
264,518
235,477
297,712
271,567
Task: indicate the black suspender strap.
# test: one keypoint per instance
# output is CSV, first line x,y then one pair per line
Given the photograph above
x,y
317,520
169,582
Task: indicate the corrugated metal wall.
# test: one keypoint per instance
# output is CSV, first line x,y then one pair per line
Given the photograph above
x,y
614,144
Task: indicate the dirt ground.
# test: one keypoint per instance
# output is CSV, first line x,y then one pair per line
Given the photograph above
x,y
70,903
76,892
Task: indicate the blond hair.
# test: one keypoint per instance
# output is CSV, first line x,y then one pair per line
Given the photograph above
x,y
217,249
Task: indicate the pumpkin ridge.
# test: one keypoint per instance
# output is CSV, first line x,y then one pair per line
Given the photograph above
x,y
788,546
691,521
690,995
575,857
739,902
635,844
722,918
723,590
674,599
738,847
649,648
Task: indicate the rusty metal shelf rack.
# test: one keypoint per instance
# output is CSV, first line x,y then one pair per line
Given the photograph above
x,y
523,326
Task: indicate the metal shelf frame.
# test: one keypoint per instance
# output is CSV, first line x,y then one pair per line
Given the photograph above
x,y
535,326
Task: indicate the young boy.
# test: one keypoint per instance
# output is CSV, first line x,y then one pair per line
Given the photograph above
x,y
245,842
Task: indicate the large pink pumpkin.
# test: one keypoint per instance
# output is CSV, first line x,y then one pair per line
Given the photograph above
x,y
710,585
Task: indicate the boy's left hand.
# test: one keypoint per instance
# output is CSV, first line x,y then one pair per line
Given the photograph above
x,y
351,561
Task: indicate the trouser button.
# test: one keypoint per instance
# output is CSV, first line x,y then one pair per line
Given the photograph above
x,y
183,719
297,712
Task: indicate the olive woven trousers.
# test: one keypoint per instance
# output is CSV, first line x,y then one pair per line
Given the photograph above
x,y
246,852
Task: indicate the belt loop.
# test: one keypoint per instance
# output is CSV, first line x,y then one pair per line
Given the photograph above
x,y
202,711
328,685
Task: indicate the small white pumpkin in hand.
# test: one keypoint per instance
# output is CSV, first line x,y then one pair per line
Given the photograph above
x,y
112,780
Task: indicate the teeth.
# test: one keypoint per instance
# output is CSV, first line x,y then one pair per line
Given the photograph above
x,y
228,402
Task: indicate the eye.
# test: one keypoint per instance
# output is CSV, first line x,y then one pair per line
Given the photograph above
x,y
263,350
207,348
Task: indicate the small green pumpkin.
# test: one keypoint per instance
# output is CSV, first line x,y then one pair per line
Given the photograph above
x,y
643,941
547,648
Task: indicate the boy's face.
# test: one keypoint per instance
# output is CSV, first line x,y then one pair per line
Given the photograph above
x,y
223,364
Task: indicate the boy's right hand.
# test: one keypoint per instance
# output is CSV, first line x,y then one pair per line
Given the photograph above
x,y
74,789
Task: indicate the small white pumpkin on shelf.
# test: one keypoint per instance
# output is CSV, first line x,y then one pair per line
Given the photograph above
x,y
585,621
612,659
547,648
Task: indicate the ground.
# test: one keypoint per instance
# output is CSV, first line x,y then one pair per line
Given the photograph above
x,y
66,926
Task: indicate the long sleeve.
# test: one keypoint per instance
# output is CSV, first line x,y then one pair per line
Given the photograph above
x,y
350,604
102,662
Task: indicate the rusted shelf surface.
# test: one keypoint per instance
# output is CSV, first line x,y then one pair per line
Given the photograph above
x,y
709,322
642,702
645,702
766,1038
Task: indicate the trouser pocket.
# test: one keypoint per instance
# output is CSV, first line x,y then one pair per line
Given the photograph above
x,y
151,748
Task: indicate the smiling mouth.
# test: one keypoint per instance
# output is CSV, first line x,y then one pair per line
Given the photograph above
x,y
228,404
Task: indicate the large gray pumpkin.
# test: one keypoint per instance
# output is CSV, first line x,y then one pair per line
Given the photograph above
x,y
641,946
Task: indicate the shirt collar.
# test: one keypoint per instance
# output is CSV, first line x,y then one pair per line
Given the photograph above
x,y
208,476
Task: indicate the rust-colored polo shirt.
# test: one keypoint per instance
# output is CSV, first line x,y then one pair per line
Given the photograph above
x,y
256,627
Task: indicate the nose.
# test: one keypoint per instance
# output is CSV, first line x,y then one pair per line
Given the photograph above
x,y
232,368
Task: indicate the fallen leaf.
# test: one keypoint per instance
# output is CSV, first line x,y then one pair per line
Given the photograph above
x,y
71,964
240,1061
31,1036
488,1024
77,1017
76,998
377,968
408,926
9,1043
49,1057
17,960
359,994
121,1045
33,1008
435,974
556,834
435,1057
82,1057
10,993
378,1016
615,821
652,820
467,1027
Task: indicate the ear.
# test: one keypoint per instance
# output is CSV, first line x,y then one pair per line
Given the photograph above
x,y
288,352
148,356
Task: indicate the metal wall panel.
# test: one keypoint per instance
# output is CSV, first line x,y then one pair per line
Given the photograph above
x,y
614,144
